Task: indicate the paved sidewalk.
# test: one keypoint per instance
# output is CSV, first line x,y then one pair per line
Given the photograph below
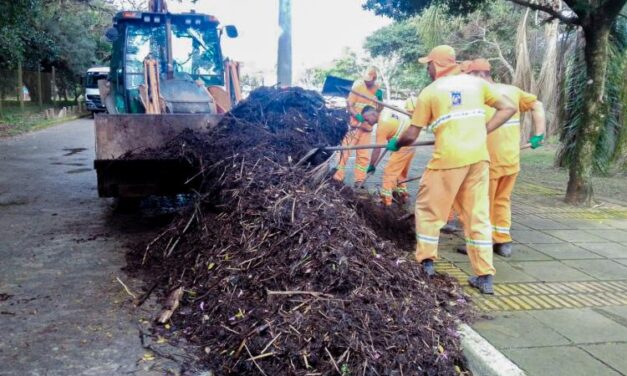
x,y
561,301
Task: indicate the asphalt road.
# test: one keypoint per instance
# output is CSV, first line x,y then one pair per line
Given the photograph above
x,y
62,310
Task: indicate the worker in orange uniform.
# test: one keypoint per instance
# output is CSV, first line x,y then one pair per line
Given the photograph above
x,y
452,106
390,125
504,149
360,132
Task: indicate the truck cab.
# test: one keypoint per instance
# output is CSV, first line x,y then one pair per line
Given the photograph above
x,y
93,102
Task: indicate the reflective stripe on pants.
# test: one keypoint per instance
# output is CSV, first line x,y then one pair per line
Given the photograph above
x,y
467,189
397,169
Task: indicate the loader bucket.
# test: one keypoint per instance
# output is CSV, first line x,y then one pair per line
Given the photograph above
x,y
118,135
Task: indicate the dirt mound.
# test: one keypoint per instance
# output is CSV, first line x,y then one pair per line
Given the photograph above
x,y
283,275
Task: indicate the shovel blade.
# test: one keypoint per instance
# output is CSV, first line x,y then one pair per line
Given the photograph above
x,y
336,86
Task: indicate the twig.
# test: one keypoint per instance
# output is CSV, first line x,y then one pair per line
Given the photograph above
x,y
313,293
128,291
261,356
253,360
271,342
333,361
142,299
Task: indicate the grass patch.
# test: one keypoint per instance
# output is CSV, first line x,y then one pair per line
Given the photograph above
x,y
537,167
15,121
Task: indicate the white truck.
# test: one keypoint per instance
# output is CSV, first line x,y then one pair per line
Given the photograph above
x,y
92,94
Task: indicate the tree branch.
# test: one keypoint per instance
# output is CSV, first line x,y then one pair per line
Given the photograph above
x,y
550,11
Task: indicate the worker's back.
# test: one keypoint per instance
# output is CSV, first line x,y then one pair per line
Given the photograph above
x,y
504,143
453,106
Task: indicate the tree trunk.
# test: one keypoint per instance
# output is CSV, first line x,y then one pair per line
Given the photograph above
x,y
284,63
579,190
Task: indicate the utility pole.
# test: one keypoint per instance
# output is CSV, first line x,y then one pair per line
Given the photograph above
x,y
284,61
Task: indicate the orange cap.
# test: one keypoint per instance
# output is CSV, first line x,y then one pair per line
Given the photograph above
x,y
478,65
441,55
370,74
464,65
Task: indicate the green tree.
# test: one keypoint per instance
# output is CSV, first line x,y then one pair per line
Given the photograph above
x,y
595,19
66,35
346,66
395,49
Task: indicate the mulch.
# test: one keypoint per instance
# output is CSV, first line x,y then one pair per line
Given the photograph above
x,y
287,274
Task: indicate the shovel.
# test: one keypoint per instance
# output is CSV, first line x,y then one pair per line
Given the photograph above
x,y
340,87
314,151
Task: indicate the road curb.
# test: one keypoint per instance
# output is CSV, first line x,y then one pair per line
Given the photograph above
x,y
483,358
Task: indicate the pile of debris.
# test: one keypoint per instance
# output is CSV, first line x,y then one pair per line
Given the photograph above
x,y
279,275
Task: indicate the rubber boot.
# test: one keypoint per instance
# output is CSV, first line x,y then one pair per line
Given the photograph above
x,y
449,228
483,283
503,249
428,267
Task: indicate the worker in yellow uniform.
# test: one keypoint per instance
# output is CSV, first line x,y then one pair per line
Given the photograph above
x,y
360,131
390,125
504,149
410,103
452,106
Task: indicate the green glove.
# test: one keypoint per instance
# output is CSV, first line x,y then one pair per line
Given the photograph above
x,y
371,169
536,141
393,145
379,94
360,118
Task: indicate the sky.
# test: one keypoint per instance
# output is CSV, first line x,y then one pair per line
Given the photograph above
x,y
321,29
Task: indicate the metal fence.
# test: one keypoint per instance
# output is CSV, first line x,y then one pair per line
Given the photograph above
x,y
26,89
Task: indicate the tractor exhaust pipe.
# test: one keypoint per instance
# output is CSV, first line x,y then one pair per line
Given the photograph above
x,y
158,6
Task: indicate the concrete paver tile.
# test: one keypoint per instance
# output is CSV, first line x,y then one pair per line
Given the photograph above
x,y
518,329
523,252
449,253
504,272
537,223
550,271
519,226
621,261
565,251
616,313
612,235
581,224
617,223
575,236
610,353
609,250
582,325
601,269
558,361
533,237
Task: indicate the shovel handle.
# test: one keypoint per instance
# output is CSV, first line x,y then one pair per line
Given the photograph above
x,y
374,146
391,107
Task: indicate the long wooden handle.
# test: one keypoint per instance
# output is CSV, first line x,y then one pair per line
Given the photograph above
x,y
391,107
374,146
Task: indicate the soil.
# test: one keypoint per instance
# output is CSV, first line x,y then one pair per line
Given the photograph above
x,y
285,273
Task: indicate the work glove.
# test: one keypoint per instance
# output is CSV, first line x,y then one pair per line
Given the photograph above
x,y
379,94
393,145
536,141
371,169
360,118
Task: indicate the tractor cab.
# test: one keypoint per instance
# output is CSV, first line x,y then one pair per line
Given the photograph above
x,y
187,55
